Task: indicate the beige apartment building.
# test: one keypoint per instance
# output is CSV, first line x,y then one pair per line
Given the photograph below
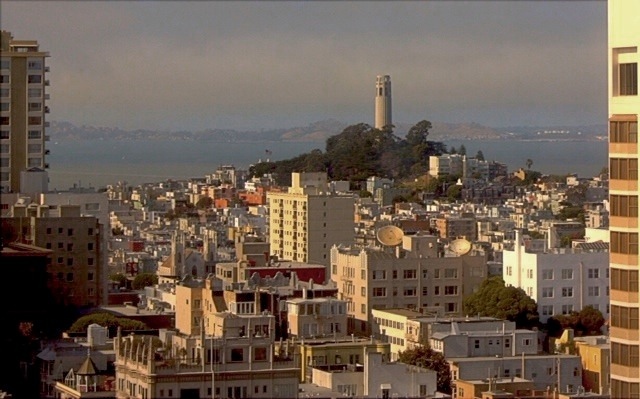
x,y
624,107
22,111
75,274
308,219
410,275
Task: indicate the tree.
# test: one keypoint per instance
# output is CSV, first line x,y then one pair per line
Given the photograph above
x,y
426,357
204,203
591,320
494,299
462,150
480,156
588,321
119,278
529,163
144,280
106,320
454,192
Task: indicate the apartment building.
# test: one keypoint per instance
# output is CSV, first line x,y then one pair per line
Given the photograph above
x,y
22,115
624,106
308,219
454,227
560,280
411,275
316,317
75,275
446,164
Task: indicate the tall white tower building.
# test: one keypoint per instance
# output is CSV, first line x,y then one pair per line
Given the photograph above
x,y
383,101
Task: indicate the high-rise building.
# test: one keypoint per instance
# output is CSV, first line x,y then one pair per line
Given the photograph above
x,y
306,221
383,101
22,113
624,107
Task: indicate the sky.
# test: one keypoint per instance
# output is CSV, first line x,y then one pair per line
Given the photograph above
x,y
261,65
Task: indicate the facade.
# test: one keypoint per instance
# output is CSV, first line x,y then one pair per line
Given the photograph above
x,y
560,280
75,274
411,276
225,364
595,353
383,102
22,113
624,224
446,164
307,220
316,317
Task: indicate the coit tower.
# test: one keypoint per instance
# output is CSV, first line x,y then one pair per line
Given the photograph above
x,y
383,101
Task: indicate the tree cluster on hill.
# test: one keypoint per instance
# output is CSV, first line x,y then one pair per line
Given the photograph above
x,y
359,152
495,299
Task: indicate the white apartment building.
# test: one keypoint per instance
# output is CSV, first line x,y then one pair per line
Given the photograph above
x,y
316,317
560,280
308,219
446,164
410,275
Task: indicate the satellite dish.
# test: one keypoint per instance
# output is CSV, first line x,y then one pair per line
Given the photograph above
x,y
390,235
460,246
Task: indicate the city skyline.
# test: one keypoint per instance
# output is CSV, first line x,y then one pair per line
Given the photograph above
x,y
246,65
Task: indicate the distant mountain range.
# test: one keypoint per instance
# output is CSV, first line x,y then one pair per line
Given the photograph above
x,y
320,131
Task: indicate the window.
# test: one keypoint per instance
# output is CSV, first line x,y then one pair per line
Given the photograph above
x,y
451,290
547,274
593,273
624,317
623,129
450,273
89,261
35,106
476,344
624,243
4,78
363,308
436,273
69,277
567,274
547,292
379,274
594,291
237,354
4,106
410,291
35,65
394,274
526,341
70,232
379,291
566,309
628,85
529,273
410,274
260,354
34,148
35,134
547,310
363,274
5,63
624,205
567,292
34,162
363,291
4,120
425,291
436,290
90,276
35,120
34,93
90,246
34,79
4,93
624,280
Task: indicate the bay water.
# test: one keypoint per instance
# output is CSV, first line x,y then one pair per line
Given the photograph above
x,y
97,163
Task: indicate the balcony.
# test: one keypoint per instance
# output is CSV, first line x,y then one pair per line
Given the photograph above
x,y
47,138
47,96
47,69
46,166
46,124
46,82
46,110
47,152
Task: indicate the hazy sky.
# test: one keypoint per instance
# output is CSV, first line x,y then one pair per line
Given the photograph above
x,y
239,64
